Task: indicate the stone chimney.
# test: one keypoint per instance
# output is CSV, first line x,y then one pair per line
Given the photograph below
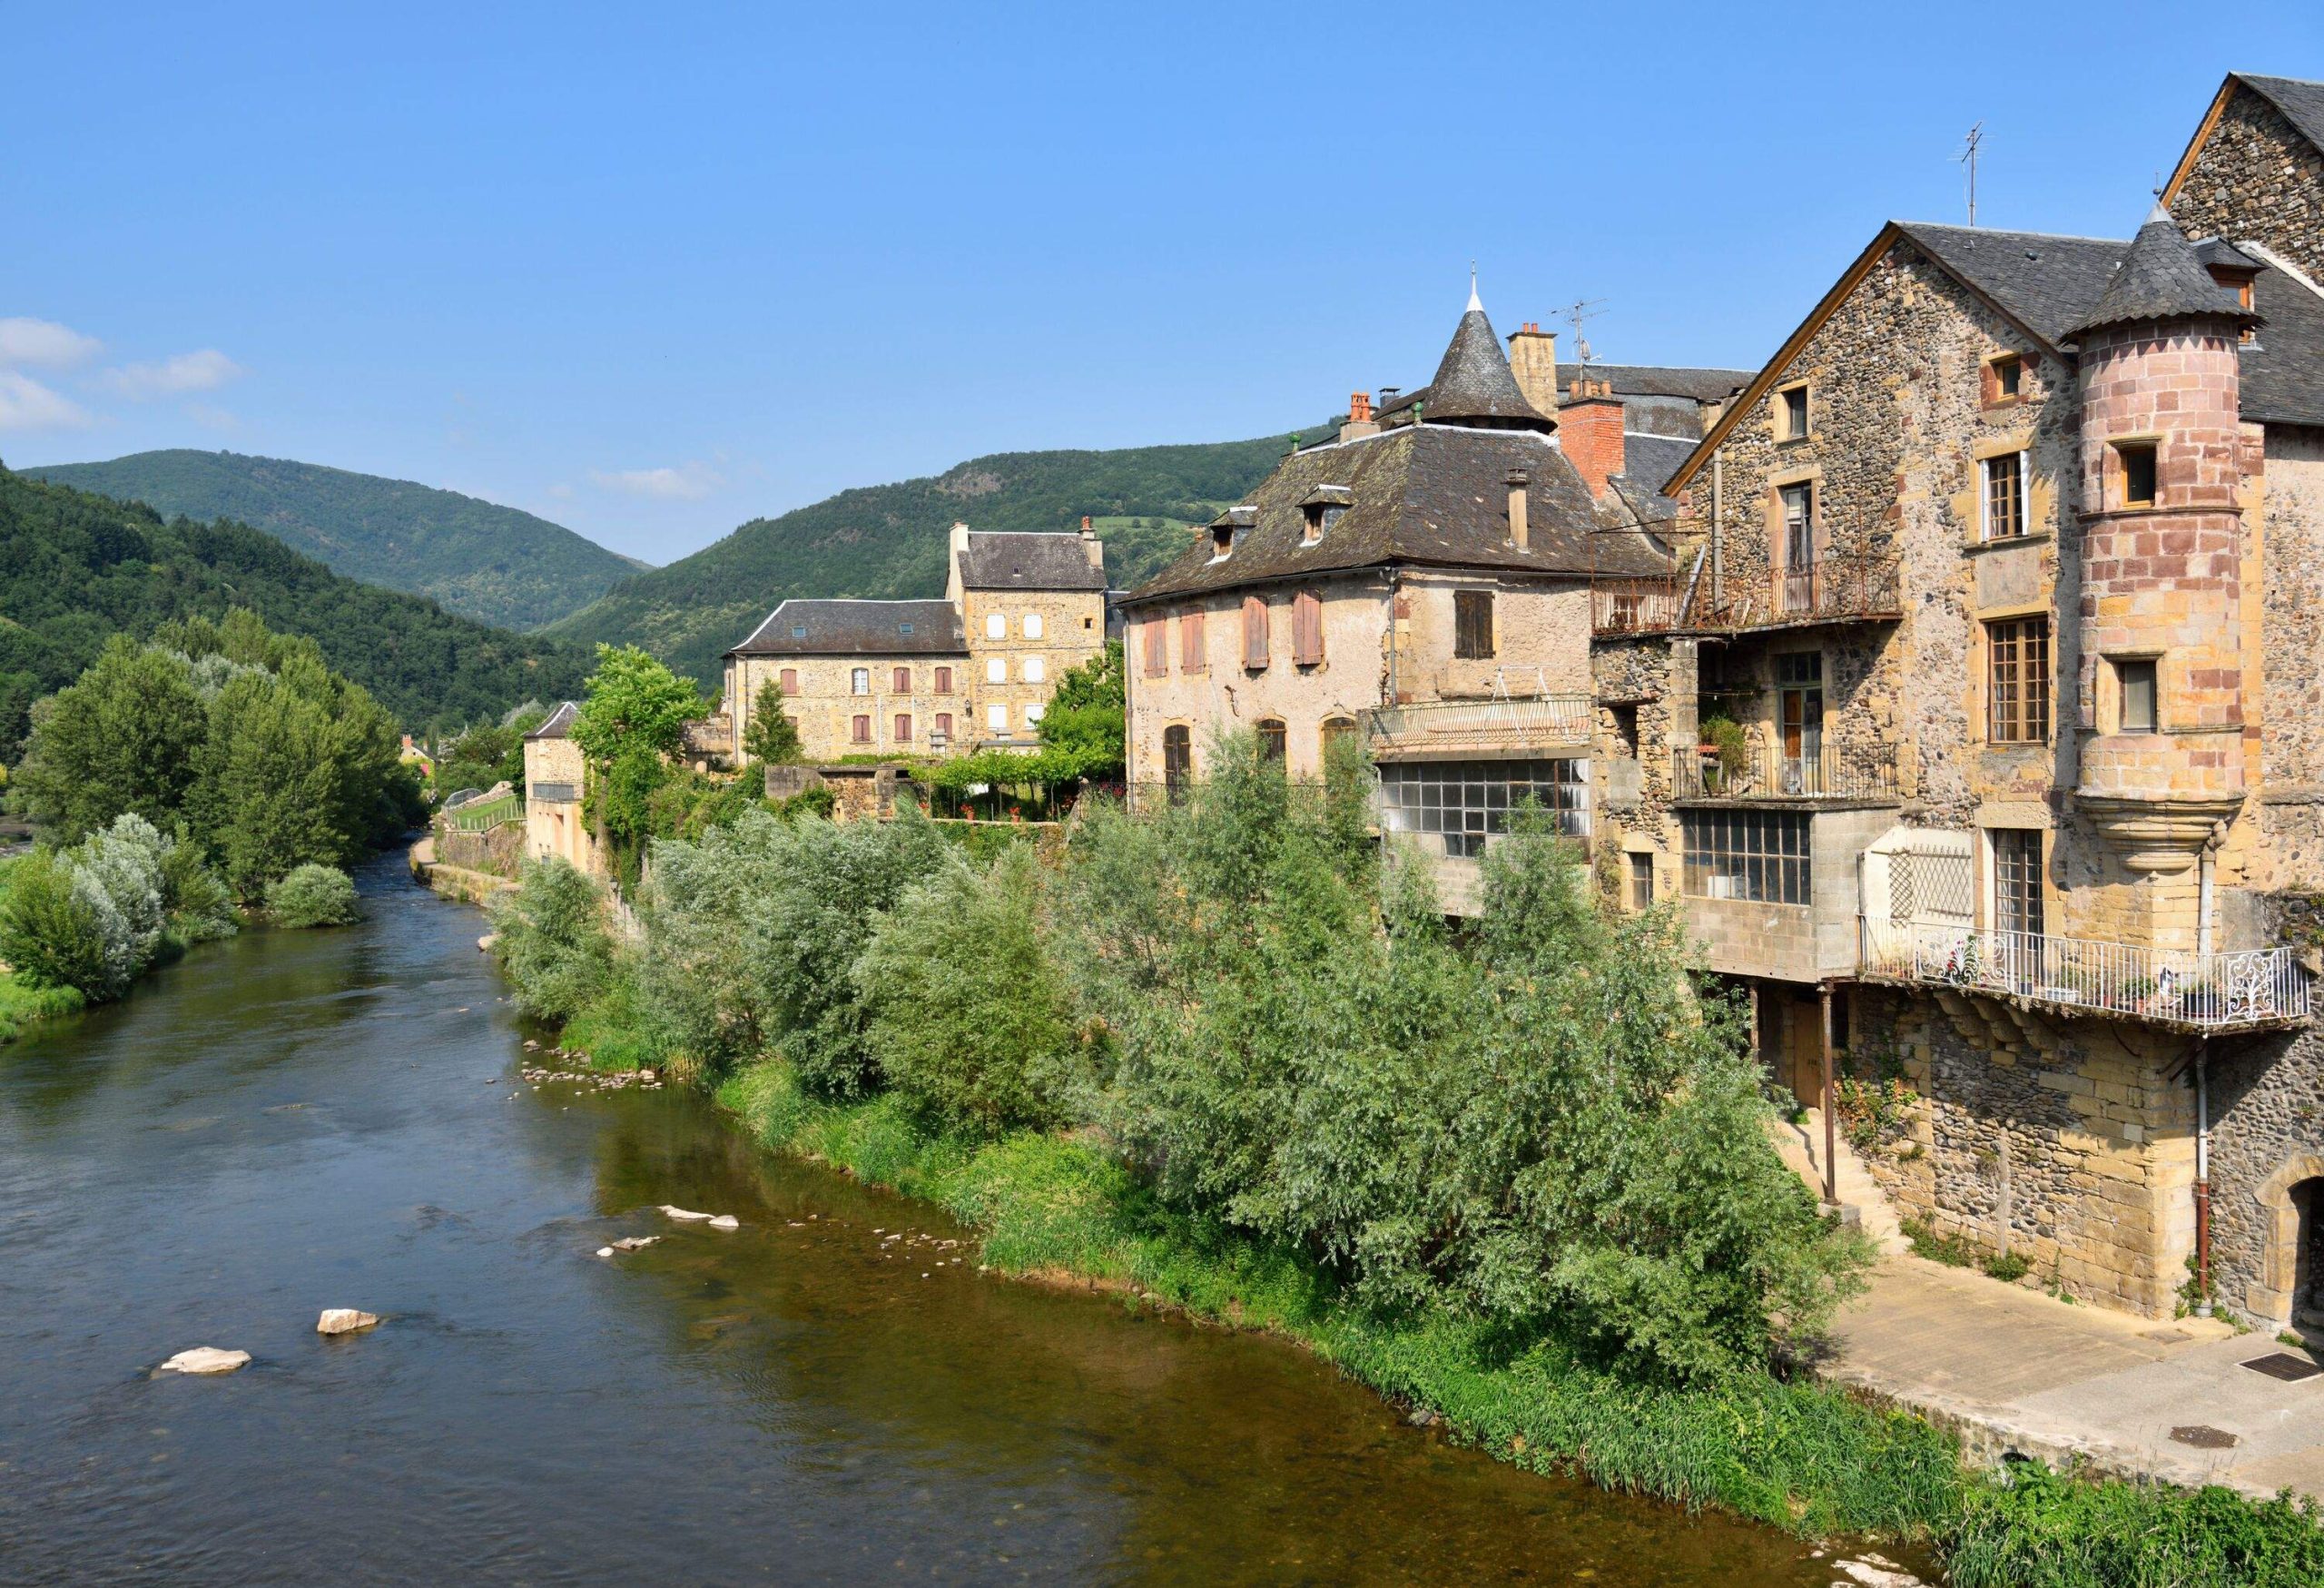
x,y
1095,547
1533,360
1521,533
957,547
1359,421
1590,428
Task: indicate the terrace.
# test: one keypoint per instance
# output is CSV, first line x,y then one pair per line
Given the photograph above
x,y
1855,774
1838,588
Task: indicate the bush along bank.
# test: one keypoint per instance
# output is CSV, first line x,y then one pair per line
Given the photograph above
x,y
1222,1057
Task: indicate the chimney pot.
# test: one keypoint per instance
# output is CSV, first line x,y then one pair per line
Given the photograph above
x,y
1359,408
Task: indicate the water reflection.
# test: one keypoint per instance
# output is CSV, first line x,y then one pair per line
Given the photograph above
x,y
298,1121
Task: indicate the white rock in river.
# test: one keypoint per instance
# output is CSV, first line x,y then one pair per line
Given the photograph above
x,y
605,1252
344,1321
683,1215
635,1242
726,1221
205,1359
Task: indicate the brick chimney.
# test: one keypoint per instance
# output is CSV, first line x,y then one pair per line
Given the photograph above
x,y
1533,360
1360,421
1590,428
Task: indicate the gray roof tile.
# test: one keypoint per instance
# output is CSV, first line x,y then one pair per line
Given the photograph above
x,y
1474,385
2301,103
1009,560
858,628
559,724
2160,278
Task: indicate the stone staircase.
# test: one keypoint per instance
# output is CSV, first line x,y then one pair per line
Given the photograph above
x,y
1861,1200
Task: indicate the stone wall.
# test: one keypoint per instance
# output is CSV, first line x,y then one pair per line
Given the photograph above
x,y
1012,673
2257,179
937,695
499,852
2267,1107
2290,852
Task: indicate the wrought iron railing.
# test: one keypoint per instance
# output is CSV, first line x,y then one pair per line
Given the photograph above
x,y
1655,604
1762,771
1834,589
2213,991
1546,722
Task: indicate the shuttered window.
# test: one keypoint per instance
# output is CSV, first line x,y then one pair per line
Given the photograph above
x,y
1306,629
862,730
943,680
1157,646
1191,656
789,681
1473,624
945,723
903,684
1254,632
904,727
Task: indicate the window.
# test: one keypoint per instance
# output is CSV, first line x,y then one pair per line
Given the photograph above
x,y
798,631
995,718
1796,589
1156,634
943,726
995,670
2017,704
1034,669
943,680
862,734
1308,628
2138,473
1318,520
2017,879
1033,625
2006,375
1473,624
1792,411
904,628
1191,658
1759,855
1624,724
1222,541
2135,677
901,683
1178,756
1641,881
1272,740
1034,713
1466,801
2004,497
1255,633
789,681
1335,729
1088,622
904,727
859,681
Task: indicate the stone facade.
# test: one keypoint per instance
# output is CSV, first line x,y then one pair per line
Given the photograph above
x,y
859,704
555,779
2250,174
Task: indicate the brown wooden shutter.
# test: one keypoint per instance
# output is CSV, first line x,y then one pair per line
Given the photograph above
x,y
1254,632
1191,658
1306,629
789,681
903,681
904,727
1157,646
862,730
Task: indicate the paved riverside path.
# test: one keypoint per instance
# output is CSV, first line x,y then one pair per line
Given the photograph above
x,y
2020,1369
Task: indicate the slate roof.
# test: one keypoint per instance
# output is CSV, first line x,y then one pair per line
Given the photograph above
x,y
1474,385
560,721
2160,278
1651,461
2283,365
1661,381
2046,283
1004,560
2301,103
1421,493
858,628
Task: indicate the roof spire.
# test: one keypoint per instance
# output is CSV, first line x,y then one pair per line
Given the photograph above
x,y
2160,278
1474,302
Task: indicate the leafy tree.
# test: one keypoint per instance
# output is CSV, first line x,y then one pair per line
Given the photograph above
x,y
772,737
632,720
550,936
50,927
313,896
1087,719
122,738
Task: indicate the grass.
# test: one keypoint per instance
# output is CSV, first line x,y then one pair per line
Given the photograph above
x,y
2045,1531
22,1003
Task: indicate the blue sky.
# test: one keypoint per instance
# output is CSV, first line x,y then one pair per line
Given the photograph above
x,y
653,271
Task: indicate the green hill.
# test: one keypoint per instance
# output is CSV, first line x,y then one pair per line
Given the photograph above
x,y
76,567
490,563
888,540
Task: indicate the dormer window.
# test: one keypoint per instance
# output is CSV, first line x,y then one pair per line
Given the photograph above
x,y
1320,510
2238,281
798,631
903,628
1222,541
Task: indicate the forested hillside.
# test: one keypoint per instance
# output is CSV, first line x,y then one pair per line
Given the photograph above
x,y
481,560
888,540
75,568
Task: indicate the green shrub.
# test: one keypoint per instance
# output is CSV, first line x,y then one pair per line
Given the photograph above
x,y
550,936
2038,1529
52,931
21,1003
313,896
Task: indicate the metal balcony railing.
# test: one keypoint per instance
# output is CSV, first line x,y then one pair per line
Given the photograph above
x,y
1838,587
1547,723
1835,772
1655,604
2259,987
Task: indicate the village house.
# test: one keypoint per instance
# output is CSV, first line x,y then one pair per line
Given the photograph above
x,y
1422,579
1981,723
971,671
554,828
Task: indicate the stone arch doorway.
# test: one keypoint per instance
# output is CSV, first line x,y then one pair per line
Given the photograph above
x,y
2292,1206
2308,1254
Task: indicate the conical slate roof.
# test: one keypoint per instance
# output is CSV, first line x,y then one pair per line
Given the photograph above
x,y
2161,279
1474,385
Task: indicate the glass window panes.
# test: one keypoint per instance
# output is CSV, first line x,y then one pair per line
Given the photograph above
x,y
2004,496
1467,802
1757,856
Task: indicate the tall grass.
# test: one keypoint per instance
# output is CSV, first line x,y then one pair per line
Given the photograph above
x,y
22,1003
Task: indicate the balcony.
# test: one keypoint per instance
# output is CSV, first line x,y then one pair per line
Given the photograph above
x,y
2254,989
1836,775
1838,589
1547,724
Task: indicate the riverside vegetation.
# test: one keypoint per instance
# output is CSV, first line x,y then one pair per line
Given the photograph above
x,y
1225,1057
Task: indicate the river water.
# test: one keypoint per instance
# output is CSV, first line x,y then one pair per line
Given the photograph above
x,y
297,1121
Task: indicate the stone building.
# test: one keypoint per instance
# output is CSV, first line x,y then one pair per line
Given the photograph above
x,y
554,827
911,678
1980,718
1422,579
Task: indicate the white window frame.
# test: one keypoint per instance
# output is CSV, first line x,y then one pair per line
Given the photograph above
x,y
1034,670
996,717
1034,711
2025,457
995,670
1033,625
996,626
858,681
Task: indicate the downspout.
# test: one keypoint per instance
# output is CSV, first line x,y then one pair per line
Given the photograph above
x,y
2203,1171
1717,505
1831,1144
2206,869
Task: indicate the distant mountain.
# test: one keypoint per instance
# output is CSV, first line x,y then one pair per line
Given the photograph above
x,y
490,563
76,567
888,540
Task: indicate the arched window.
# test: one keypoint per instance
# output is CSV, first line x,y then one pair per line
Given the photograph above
x,y
1272,739
858,681
1178,757
996,626
1036,671
1335,729
995,670
1033,625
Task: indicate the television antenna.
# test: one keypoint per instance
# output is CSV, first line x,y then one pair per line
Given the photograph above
x,y
1968,157
1582,310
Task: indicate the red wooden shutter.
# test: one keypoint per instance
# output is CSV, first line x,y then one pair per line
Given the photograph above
x,y
904,727
1306,629
862,730
1255,631
1157,646
943,680
1190,644
945,723
903,681
789,681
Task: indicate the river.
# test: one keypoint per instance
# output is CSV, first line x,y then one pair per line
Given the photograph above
x,y
296,1120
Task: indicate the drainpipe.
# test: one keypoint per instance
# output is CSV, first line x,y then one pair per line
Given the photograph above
x,y
1717,502
2203,1166
2206,868
1831,1162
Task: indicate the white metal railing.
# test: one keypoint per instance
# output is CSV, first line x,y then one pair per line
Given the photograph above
x,y
1549,720
2253,987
